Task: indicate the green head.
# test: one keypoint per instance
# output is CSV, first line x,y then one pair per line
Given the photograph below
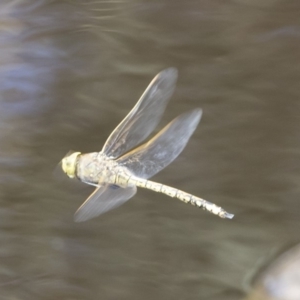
x,y
69,164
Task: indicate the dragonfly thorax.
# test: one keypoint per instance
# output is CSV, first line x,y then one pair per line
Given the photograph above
x,y
96,168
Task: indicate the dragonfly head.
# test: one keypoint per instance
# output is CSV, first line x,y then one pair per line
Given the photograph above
x,y
69,164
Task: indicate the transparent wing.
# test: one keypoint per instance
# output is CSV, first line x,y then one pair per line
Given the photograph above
x,y
144,116
103,199
150,158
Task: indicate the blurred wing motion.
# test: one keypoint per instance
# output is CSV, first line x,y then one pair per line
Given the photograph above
x,y
103,199
150,158
144,116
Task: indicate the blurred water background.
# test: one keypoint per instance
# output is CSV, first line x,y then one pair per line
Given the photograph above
x,y
71,70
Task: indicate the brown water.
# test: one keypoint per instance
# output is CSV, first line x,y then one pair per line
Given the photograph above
x,y
71,70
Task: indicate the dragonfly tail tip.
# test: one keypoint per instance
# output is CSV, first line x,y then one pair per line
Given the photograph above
x,y
228,215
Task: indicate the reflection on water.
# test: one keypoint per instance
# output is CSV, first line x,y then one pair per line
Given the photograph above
x,y
70,70
280,280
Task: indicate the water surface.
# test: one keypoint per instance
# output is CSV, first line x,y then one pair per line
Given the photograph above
x,y
71,70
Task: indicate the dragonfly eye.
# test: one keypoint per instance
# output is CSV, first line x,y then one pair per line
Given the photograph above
x,y
69,164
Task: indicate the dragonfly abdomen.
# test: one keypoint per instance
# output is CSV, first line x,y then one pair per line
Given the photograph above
x,y
181,195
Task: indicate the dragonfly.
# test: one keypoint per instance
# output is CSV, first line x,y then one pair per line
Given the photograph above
x,y
122,166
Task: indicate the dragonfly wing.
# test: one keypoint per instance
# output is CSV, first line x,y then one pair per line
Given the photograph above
x,y
144,116
103,199
150,158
